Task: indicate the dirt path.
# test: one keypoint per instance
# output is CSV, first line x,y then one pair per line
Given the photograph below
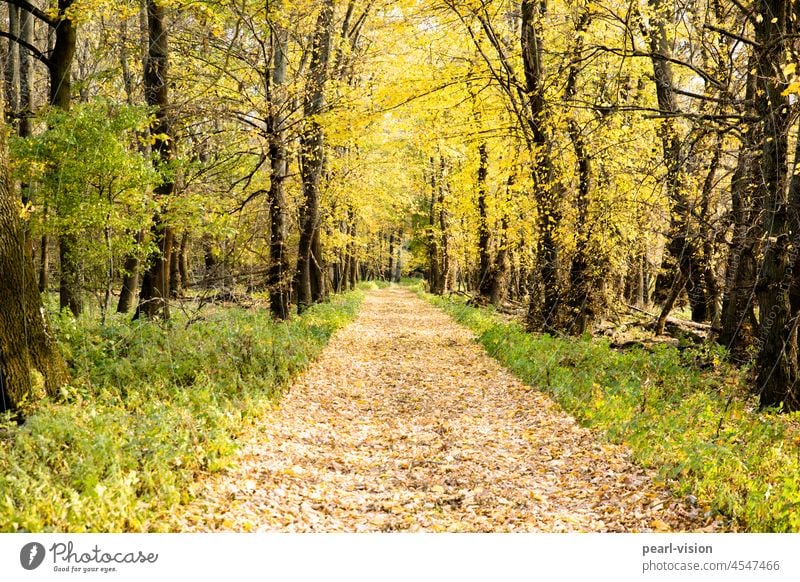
x,y
404,423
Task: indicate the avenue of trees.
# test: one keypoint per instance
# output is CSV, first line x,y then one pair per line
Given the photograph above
x,y
575,157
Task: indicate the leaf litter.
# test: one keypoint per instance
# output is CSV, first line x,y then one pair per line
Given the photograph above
x,y
405,424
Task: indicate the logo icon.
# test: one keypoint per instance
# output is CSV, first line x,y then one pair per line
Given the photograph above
x,y
32,555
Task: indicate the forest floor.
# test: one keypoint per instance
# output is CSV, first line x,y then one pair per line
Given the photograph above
x,y
404,423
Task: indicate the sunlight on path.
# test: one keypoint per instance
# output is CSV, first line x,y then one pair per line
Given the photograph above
x,y
404,423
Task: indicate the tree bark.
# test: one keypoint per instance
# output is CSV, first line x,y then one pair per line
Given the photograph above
x,y
486,270
434,270
130,278
60,69
676,266
312,160
777,369
580,300
443,218
278,275
739,323
542,312
155,292
30,363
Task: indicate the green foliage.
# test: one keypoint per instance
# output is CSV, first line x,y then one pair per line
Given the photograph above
x,y
685,413
86,170
149,410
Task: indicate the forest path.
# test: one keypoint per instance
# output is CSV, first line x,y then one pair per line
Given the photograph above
x,y
404,423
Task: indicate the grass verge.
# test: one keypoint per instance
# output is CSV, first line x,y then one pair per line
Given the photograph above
x,y
148,410
685,412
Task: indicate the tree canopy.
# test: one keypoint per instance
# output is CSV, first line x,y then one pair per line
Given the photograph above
x,y
579,158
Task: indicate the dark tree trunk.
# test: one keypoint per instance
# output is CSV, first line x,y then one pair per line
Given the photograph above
x,y
130,279
706,266
777,370
501,266
176,266
26,345
676,268
502,262
319,285
739,322
44,264
434,270
446,268
580,302
354,253
279,274
60,68
310,284
486,270
389,274
353,261
155,293
210,260
69,291
542,311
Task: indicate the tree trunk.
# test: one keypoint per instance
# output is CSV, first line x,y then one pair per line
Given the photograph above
x,y
44,264
580,301
486,270
676,268
706,267
155,293
30,363
739,322
130,278
176,280
434,270
389,273
353,275
542,311
777,370
278,276
60,69
446,271
70,282
312,159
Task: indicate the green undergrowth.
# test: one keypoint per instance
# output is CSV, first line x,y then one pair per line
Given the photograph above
x,y
685,412
148,410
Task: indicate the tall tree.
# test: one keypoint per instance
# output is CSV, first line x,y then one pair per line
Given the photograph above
x,y
155,292
777,367
310,277
278,275
546,193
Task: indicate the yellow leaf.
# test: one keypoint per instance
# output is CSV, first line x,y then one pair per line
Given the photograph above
x,y
659,525
437,489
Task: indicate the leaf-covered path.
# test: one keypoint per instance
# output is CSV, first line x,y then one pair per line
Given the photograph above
x,y
404,423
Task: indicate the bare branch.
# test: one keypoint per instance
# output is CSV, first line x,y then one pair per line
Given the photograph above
x,y
37,54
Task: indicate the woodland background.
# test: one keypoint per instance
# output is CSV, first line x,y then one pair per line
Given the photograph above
x,y
588,167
